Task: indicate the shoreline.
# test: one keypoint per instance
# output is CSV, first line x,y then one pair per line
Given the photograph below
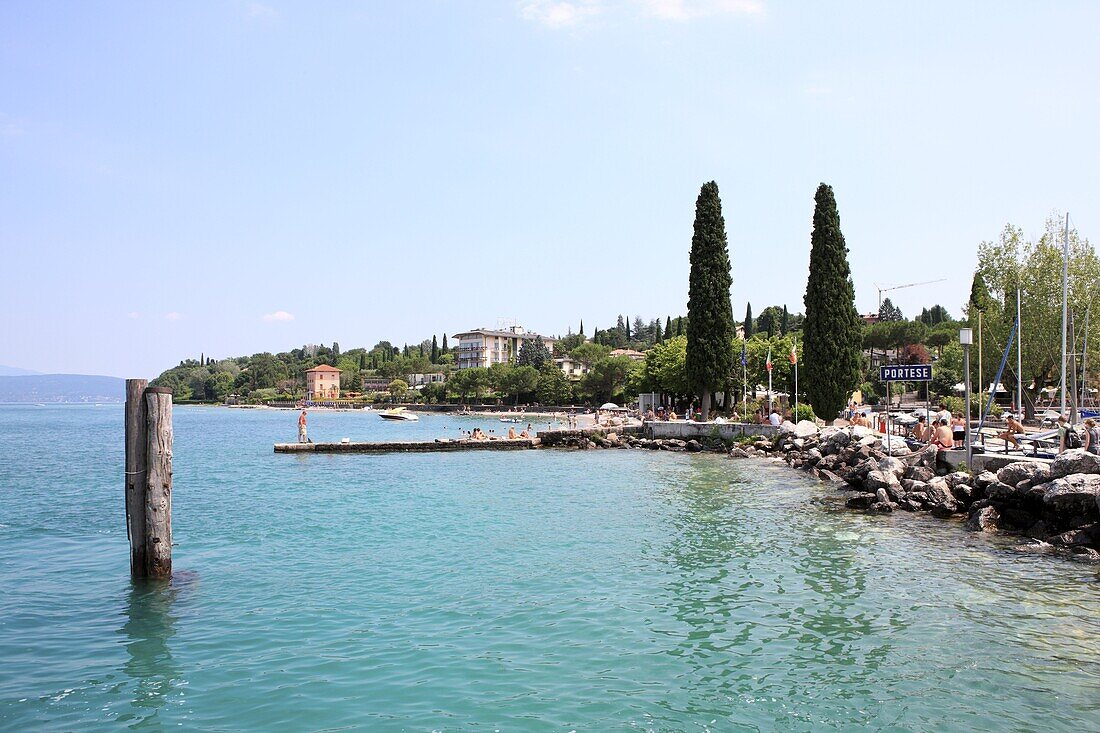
x,y
1054,507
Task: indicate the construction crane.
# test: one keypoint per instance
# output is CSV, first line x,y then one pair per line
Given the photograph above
x,y
882,290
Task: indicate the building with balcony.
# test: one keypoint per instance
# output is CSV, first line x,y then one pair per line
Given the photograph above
x,y
323,383
483,347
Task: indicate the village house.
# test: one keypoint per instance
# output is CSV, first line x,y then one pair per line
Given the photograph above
x,y
483,347
323,383
570,367
629,354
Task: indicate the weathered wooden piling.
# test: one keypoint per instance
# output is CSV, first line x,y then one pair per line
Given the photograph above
x,y
149,479
135,474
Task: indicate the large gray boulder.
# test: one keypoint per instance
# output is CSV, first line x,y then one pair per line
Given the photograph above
x,y
983,479
1031,471
1076,494
879,480
891,465
920,473
805,428
999,492
940,497
1073,461
957,478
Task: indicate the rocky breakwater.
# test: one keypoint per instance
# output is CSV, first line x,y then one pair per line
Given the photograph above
x,y
631,437
1056,504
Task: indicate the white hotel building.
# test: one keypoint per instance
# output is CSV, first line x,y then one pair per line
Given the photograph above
x,y
483,347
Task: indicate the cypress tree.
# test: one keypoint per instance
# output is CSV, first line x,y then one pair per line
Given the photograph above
x,y
668,327
435,350
833,334
785,323
679,325
748,322
445,349
710,329
582,327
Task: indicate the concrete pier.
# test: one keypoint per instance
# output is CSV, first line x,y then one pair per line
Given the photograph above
x,y
421,446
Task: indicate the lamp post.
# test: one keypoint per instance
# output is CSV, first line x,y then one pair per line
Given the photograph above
x,y
966,338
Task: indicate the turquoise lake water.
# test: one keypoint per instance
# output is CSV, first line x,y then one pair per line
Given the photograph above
x,y
518,591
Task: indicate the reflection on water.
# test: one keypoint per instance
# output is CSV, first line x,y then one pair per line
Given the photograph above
x,y
149,627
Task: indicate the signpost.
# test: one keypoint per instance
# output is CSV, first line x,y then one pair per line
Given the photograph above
x,y
903,373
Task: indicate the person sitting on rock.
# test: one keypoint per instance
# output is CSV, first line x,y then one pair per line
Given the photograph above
x,y
920,430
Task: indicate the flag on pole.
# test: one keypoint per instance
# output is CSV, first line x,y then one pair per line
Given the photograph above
x,y
794,355
744,358
768,363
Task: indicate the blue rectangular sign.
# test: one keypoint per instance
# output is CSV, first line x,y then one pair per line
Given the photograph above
x,y
905,373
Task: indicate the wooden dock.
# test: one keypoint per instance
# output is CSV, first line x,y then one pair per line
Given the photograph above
x,y
420,446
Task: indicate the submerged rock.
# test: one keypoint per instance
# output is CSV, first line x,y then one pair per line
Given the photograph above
x,y
984,520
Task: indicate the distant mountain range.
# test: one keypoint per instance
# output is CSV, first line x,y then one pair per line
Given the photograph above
x,y
59,388
10,371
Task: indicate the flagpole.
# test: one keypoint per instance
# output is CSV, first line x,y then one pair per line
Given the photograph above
x,y
769,365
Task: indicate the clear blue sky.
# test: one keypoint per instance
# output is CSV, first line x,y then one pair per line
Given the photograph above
x,y
175,172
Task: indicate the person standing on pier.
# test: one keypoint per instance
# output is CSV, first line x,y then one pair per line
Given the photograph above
x,y
302,437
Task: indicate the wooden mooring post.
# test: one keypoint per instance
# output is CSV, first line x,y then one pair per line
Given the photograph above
x,y
149,479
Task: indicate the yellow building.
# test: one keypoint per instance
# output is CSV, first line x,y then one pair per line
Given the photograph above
x,y
323,383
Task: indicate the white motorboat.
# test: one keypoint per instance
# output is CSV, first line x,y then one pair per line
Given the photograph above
x,y
398,413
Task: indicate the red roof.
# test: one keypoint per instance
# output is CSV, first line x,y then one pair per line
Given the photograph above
x,y
323,368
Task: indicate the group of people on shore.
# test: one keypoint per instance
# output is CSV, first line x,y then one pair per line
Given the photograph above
x,y
479,434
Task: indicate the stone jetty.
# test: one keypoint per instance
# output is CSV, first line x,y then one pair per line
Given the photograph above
x,y
420,446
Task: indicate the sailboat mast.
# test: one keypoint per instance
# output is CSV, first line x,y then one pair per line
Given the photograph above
x,y
1065,309
1019,355
1084,363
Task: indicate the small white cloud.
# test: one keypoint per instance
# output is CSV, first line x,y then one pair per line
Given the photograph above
x,y
278,316
173,316
692,9
558,13
260,11
133,314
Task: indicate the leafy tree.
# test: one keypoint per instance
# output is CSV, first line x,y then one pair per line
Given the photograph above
x,y
1036,267
665,370
947,370
710,335
607,377
889,312
940,336
397,388
434,392
534,353
768,322
832,331
749,325
589,353
552,386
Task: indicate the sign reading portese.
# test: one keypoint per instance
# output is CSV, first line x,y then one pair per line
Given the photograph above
x,y
905,373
